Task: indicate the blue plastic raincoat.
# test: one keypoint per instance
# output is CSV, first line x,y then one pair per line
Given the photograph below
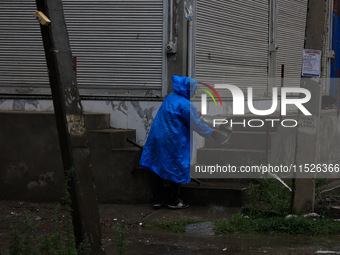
x,y
167,149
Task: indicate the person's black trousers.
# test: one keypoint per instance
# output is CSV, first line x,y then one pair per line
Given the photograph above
x,y
157,190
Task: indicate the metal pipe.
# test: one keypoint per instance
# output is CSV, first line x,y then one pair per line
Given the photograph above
x,y
338,93
190,48
280,180
267,140
171,21
282,85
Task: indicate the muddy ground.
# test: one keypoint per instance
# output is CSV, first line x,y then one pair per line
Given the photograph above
x,y
146,240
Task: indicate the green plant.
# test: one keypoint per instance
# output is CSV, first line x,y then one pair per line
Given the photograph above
x,y
60,242
22,240
267,197
278,225
325,197
121,240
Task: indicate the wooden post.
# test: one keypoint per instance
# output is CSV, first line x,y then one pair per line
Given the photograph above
x,y
70,123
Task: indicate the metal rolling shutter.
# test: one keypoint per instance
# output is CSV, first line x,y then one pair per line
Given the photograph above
x,y
232,43
290,40
22,60
118,45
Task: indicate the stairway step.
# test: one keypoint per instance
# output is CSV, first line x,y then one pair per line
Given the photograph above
x,y
111,138
95,121
243,140
234,157
214,193
113,170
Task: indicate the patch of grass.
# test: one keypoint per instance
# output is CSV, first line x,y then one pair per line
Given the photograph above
x,y
22,241
174,226
278,225
266,198
121,239
323,201
60,242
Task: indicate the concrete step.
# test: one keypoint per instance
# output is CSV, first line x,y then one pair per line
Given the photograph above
x,y
234,157
116,181
221,192
243,140
217,193
94,121
111,138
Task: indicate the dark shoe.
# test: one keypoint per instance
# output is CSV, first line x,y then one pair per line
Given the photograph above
x,y
157,206
179,205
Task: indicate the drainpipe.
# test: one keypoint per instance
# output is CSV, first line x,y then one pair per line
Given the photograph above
x,y
190,49
171,47
171,22
188,15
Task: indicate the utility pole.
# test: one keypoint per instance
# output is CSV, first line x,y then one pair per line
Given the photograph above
x,y
70,124
307,135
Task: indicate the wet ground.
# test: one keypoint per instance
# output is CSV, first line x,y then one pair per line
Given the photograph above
x,y
146,240
155,242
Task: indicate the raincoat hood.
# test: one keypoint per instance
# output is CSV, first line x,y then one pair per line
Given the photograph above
x,y
184,86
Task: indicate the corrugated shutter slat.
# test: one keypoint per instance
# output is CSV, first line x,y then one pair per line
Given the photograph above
x,y
118,44
232,43
290,37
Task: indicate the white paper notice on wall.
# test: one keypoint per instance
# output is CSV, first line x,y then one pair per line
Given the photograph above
x,y
311,63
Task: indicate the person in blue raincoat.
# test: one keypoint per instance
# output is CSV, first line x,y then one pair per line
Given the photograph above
x,y
167,149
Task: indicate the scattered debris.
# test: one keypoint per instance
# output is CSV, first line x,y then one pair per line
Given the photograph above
x,y
290,216
312,216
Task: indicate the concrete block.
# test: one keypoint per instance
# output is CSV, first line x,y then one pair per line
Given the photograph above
x,y
95,121
111,138
30,159
115,178
31,163
214,193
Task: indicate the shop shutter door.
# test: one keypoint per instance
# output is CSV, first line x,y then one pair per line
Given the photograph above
x,y
118,45
22,61
290,40
232,43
